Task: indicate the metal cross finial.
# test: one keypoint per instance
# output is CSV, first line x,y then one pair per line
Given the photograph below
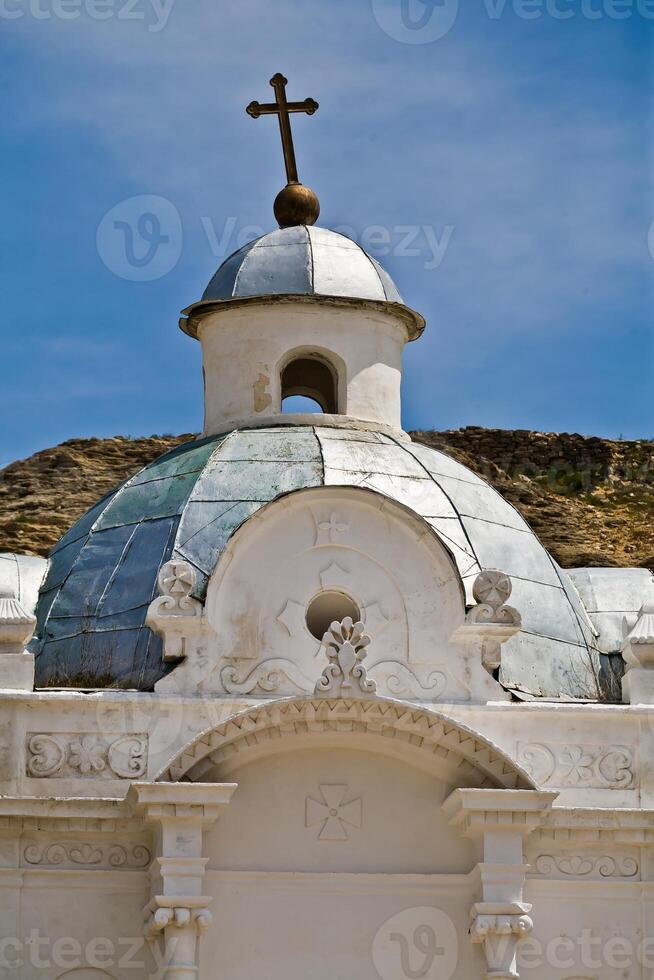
x,y
282,108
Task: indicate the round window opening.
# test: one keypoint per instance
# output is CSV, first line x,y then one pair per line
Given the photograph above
x,y
327,608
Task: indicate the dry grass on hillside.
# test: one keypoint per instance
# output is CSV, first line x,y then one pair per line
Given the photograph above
x,y
590,500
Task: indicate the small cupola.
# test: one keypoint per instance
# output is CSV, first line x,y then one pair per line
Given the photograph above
x,y
300,311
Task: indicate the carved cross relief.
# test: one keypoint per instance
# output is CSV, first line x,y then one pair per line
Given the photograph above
x,y
332,813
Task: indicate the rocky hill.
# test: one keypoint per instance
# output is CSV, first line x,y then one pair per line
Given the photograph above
x,y
591,500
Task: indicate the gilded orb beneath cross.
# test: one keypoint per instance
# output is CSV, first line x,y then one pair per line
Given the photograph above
x,y
296,205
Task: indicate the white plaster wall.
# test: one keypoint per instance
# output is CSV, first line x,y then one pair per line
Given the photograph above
x,y
245,348
395,811
589,931
76,920
336,925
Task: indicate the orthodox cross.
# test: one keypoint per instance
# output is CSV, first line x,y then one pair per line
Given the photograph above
x,y
282,108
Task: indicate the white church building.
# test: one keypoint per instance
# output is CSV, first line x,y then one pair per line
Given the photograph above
x,y
305,699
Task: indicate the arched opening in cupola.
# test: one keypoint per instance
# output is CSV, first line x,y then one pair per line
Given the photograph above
x,y
307,377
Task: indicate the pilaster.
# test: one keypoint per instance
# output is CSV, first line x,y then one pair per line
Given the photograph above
x,y
500,821
178,911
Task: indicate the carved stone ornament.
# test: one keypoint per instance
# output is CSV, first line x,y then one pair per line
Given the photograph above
x,y
345,674
175,614
332,813
267,678
585,866
499,927
85,854
182,914
492,590
86,756
590,766
490,622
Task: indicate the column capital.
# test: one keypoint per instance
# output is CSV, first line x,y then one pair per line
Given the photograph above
x,y
475,812
180,801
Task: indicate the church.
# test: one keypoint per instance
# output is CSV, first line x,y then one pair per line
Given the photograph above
x,y
303,698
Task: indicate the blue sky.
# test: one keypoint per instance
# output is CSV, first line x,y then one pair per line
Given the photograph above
x,y
494,154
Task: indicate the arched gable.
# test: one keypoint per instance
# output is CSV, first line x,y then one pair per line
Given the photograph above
x,y
420,735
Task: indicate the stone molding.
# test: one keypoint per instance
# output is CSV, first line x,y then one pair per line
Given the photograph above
x,y
81,755
405,724
584,825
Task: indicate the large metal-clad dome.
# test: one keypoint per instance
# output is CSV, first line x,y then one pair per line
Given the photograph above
x,y
102,576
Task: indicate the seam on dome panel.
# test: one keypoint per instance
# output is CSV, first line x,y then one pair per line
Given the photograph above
x,y
455,509
584,642
110,629
399,476
379,279
232,505
116,568
509,527
213,457
312,264
484,482
467,483
556,639
535,581
201,572
82,632
456,544
246,256
320,451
